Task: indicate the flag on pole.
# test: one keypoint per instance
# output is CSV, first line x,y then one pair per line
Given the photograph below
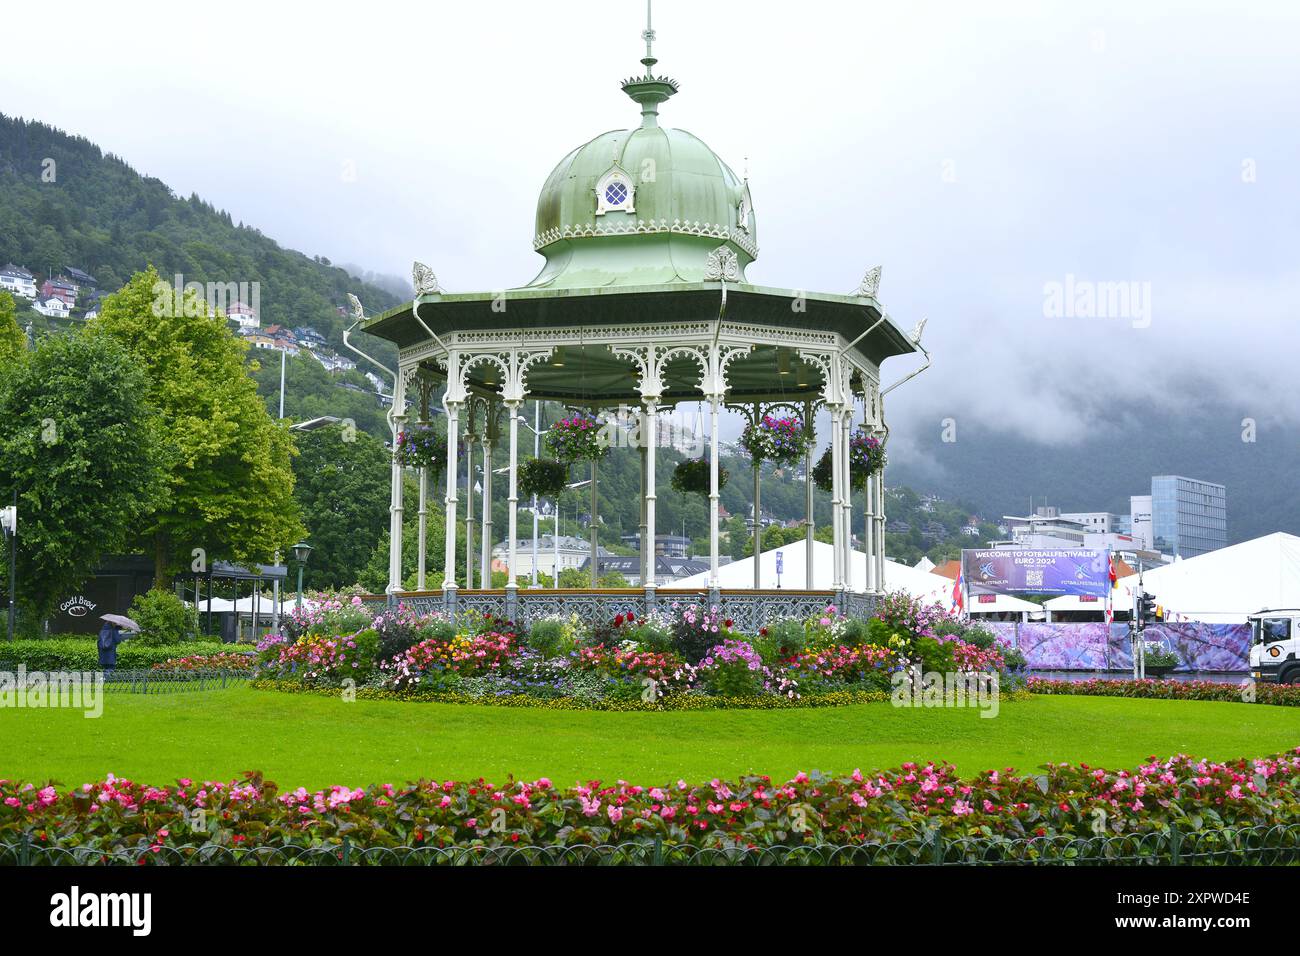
x,y
958,602
1110,592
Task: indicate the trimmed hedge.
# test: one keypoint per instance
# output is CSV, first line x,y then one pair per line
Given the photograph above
x,y
1245,692
78,654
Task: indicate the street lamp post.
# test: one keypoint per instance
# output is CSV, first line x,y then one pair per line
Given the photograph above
x,y
9,521
301,551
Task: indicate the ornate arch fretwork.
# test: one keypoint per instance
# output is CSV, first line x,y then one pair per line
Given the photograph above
x,y
512,363
500,360
524,360
651,363
714,383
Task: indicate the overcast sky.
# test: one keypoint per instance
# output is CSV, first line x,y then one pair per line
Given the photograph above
x,y
979,151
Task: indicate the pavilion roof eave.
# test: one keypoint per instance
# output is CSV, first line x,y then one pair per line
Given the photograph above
x,y
451,311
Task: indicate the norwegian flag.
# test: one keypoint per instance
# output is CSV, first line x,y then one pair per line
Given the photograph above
x,y
958,598
1110,592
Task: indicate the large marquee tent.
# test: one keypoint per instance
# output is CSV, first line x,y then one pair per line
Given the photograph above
x,y
1224,586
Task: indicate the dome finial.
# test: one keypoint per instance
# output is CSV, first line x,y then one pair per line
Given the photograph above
x,y
648,34
649,90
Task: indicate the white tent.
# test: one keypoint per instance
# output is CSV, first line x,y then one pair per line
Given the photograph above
x,y
925,564
1223,586
898,577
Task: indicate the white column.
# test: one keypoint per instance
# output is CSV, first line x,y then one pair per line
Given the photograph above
x,y
398,419
879,481
469,508
808,492
485,561
593,534
453,469
421,560
647,546
714,402
846,503
512,410
652,417
837,511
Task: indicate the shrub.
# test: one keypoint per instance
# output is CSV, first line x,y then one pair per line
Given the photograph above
x,y
1014,660
163,618
1159,656
547,637
653,634
781,640
696,629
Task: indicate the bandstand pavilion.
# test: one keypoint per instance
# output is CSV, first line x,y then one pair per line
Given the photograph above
x,y
643,301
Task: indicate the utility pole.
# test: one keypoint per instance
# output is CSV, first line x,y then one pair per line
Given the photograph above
x,y
283,354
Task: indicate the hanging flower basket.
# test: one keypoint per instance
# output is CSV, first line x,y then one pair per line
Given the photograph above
x,y
782,440
543,478
577,438
418,446
866,457
821,474
691,477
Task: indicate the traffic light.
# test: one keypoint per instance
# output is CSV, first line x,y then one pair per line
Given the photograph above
x,y
1146,609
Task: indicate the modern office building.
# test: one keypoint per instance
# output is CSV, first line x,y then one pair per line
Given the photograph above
x,y
1188,516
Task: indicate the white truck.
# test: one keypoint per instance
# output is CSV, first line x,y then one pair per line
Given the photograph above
x,y
1275,645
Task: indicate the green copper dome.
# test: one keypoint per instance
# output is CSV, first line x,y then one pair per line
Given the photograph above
x,y
645,206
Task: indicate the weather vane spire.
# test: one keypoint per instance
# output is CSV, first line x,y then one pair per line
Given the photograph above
x,y
649,90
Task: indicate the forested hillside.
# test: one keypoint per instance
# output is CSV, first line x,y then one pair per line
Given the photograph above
x,y
65,203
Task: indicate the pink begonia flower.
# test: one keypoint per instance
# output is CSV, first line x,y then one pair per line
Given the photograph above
x,y
615,813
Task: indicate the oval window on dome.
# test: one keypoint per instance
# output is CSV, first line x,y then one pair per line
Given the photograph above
x,y
615,194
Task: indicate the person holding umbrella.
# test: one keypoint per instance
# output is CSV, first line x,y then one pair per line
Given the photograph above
x,y
110,635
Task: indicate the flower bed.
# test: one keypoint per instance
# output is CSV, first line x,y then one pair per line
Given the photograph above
x,y
1284,695
671,659
208,662
908,802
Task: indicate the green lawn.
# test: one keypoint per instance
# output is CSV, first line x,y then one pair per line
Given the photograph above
x,y
315,741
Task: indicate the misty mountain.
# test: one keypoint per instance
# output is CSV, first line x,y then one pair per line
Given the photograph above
x,y
1001,471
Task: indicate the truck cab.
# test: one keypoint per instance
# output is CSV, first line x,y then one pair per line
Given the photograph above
x,y
1275,646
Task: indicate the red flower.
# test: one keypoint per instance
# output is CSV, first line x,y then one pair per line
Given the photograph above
x,y
727,623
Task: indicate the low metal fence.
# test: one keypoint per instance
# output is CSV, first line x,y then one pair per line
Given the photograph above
x,y
137,681
1255,846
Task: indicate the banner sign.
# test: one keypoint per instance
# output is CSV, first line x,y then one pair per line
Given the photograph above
x,y
1036,571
